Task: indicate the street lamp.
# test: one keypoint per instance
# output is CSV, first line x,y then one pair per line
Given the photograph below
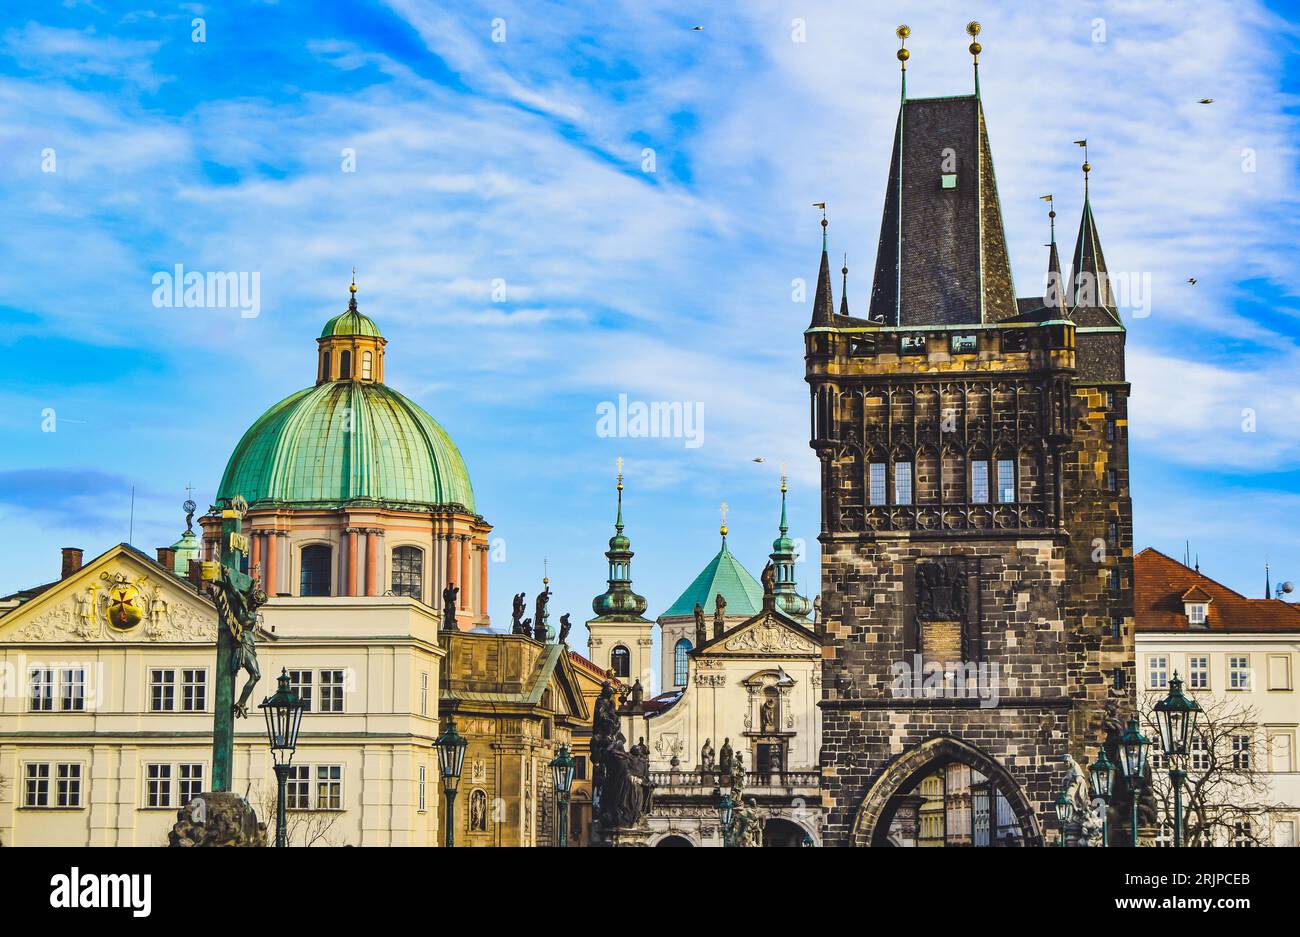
x,y
726,810
283,710
1064,814
451,756
1101,784
562,770
1176,716
1133,765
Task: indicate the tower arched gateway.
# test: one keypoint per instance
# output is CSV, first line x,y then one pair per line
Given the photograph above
x,y
977,589
979,804
354,490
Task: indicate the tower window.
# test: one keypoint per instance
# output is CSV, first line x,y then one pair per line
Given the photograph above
x,y
315,578
1006,481
680,661
325,366
902,482
408,572
367,366
345,365
620,661
876,482
1112,481
979,482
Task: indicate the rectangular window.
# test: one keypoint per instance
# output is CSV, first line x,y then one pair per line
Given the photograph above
x,y
74,689
1279,752
194,691
69,789
1116,626
37,793
1006,481
300,681
1112,534
965,344
979,482
42,689
158,786
421,788
1238,673
331,691
329,787
297,790
580,768
1241,753
1196,613
1112,480
1279,672
1198,672
876,482
902,482
424,696
911,344
1157,672
1242,834
191,781
162,691
1114,581
1198,754
1110,430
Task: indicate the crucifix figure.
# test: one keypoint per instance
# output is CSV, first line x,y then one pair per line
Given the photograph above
x,y
237,597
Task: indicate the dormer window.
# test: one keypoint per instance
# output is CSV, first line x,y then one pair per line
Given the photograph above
x,y
1197,613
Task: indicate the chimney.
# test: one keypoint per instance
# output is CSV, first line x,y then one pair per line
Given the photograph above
x,y
71,561
195,574
166,558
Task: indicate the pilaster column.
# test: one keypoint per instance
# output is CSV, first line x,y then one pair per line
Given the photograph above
x,y
481,595
353,537
454,550
272,549
372,560
465,587
255,557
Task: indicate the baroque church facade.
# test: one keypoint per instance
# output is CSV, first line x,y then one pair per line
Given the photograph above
x,y
976,519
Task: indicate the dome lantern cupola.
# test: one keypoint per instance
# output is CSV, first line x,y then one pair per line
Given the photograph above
x,y
350,347
619,599
783,557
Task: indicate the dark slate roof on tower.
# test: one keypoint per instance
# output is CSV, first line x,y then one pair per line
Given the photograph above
x,y
946,227
1090,293
823,298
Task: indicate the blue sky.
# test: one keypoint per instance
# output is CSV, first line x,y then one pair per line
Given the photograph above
x,y
522,162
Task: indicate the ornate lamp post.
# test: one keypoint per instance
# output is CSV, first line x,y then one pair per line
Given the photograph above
x,y
562,769
1065,817
283,711
1133,765
451,747
1176,716
726,811
1101,784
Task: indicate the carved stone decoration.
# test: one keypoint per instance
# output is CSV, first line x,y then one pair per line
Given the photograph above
x,y
941,590
217,819
768,636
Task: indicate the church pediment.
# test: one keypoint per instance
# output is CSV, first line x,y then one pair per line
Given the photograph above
x,y
768,634
119,597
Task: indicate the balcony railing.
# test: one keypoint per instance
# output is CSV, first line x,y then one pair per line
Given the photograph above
x,y
753,779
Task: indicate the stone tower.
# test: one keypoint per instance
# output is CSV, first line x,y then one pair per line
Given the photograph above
x,y
620,636
977,604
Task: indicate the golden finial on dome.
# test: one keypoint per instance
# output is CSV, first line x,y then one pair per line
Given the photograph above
x,y
620,473
784,478
353,287
723,529
902,33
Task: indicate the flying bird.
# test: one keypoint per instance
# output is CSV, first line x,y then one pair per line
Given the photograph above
x,y
1192,280
759,459
698,29
1205,101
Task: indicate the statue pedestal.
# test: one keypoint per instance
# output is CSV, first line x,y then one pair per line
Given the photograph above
x,y
217,819
1147,835
621,836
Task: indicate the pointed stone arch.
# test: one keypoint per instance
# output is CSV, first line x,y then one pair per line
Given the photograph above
x,y
905,771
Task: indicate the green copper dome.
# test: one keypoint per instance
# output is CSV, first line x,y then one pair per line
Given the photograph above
x,y
342,441
350,322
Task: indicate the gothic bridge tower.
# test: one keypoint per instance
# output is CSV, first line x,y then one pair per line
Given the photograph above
x,y
977,604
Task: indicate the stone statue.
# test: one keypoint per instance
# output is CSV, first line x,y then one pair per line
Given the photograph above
x,y
541,625
749,831
639,766
616,799
769,578
767,715
638,696
1076,785
526,627
518,604
701,629
724,760
449,597
817,610
237,610
706,756
565,625
719,613
737,776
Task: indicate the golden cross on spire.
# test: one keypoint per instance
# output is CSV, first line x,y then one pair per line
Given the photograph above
x,y
546,578
620,473
353,287
784,476
723,528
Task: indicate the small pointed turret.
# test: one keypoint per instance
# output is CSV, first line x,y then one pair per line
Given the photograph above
x,y
823,297
1054,291
844,289
1089,279
619,600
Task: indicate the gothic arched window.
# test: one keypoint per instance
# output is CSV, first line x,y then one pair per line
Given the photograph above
x,y
408,572
620,661
315,578
680,651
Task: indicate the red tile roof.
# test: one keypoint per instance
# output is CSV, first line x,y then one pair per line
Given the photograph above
x,y
1162,582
